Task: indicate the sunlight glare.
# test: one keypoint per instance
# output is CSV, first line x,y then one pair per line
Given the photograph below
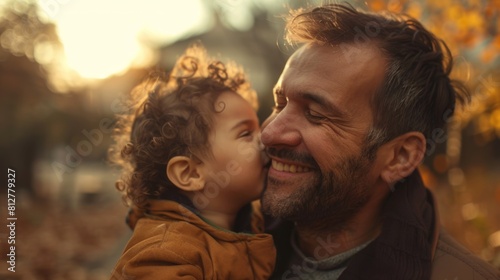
x,y
101,38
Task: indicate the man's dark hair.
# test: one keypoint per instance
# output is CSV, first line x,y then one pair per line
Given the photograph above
x,y
417,93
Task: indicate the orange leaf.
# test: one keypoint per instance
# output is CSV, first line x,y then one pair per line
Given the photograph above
x,y
377,5
496,42
488,54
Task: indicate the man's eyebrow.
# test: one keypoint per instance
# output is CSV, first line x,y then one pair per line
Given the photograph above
x,y
323,102
277,91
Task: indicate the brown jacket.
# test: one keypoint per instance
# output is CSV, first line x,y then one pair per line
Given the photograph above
x,y
171,242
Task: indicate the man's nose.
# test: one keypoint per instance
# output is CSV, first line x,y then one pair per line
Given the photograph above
x,y
281,129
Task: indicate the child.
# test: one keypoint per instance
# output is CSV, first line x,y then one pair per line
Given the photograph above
x,y
193,164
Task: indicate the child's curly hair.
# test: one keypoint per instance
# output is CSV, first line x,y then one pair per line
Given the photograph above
x,y
171,115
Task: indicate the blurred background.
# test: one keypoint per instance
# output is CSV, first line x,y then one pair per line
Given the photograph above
x,y
64,65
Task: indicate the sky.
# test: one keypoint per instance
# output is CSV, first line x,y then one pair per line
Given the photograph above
x,y
101,38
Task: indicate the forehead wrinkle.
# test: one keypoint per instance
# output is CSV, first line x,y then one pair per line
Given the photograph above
x,y
321,89
368,66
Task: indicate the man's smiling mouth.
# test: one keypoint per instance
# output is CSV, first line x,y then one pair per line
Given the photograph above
x,y
287,167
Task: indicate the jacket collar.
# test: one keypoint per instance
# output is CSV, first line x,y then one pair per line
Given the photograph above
x,y
178,206
437,225
407,242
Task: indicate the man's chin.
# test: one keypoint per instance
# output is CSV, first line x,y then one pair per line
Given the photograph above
x,y
270,202
277,204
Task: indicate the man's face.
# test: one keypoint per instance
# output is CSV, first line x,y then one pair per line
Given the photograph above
x,y
315,136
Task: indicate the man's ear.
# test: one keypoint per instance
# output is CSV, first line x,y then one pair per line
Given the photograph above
x,y
404,154
185,173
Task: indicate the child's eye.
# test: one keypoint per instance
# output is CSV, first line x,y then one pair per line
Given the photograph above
x,y
245,133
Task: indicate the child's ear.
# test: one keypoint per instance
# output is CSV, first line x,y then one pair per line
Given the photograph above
x,y
185,173
403,155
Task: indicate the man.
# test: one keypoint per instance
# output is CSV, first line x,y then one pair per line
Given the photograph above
x,y
355,105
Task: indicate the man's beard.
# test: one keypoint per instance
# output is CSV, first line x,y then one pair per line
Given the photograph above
x,y
332,196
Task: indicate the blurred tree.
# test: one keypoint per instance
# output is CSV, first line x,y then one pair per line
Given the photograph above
x,y
30,110
23,85
471,30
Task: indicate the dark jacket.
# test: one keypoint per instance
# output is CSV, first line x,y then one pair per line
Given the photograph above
x,y
412,244
453,261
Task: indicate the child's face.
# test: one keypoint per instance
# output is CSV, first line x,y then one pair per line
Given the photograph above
x,y
235,175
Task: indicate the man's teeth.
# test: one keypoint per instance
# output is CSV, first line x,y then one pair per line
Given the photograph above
x,y
292,168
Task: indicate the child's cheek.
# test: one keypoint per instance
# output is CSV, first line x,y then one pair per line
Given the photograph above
x,y
248,152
